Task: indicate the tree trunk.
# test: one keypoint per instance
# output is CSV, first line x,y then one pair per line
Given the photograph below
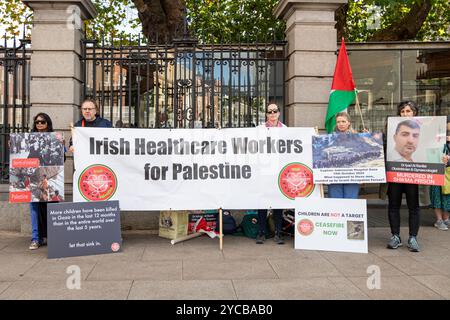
x,y
162,20
406,28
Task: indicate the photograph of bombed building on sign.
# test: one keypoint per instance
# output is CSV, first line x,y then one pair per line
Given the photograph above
x,y
341,150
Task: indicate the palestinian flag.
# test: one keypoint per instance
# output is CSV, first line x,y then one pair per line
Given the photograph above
x,y
343,91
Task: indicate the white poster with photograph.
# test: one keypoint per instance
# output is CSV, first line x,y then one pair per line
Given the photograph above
x,y
414,150
331,225
348,158
36,172
194,169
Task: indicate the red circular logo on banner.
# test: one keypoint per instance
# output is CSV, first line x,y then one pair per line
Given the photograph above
x,y
115,247
296,180
305,227
97,183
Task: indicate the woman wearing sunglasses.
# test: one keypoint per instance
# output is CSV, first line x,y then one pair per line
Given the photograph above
x,y
273,115
38,210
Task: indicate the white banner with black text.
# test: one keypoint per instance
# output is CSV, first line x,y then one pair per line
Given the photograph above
x,y
192,169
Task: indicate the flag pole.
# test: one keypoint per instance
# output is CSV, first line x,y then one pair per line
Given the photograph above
x,y
220,229
358,108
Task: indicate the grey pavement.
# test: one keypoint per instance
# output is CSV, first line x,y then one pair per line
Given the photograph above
x,y
149,267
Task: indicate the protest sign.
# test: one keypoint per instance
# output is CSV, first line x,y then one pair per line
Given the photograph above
x,y
37,167
191,169
331,225
414,150
83,228
348,158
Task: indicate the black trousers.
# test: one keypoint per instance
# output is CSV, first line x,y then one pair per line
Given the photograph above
x,y
42,220
395,193
262,220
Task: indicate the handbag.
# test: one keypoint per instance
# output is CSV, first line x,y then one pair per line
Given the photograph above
x,y
446,186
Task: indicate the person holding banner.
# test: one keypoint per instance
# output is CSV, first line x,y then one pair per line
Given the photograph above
x,y
90,111
38,210
440,202
343,190
273,115
395,195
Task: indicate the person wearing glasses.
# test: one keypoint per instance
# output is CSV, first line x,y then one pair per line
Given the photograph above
x,y
89,110
395,194
272,115
38,210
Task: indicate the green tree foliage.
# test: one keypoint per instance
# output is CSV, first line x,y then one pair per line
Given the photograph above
x,y
13,16
231,20
365,18
112,19
249,20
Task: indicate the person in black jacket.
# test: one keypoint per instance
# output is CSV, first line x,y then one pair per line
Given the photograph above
x,y
89,110
38,210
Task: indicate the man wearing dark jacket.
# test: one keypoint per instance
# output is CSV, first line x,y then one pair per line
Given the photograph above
x,y
89,110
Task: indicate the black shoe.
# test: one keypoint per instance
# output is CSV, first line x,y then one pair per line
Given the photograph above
x,y
260,238
278,239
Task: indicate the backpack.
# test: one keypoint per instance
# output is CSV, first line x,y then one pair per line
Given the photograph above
x,y
288,223
250,226
228,223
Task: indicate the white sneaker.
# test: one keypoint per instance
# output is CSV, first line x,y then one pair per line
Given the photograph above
x,y
447,222
440,224
34,245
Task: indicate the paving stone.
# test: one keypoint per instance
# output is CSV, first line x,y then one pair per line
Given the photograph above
x,y
50,270
438,283
227,270
304,268
298,289
411,266
356,264
4,286
57,290
183,290
396,288
180,251
440,263
15,290
148,270
14,266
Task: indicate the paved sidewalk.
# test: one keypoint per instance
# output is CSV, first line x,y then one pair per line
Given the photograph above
x,y
151,268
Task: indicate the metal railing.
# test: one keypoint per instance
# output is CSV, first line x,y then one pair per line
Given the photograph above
x,y
184,84
14,96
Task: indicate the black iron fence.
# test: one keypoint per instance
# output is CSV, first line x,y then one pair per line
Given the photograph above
x,y
14,96
184,84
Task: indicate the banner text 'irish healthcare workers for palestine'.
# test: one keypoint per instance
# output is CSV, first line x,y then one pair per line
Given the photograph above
x,y
188,169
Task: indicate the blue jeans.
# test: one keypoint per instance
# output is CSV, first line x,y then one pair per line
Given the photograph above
x,y
34,212
343,191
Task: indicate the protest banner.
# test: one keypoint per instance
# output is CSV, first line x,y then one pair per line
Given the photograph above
x,y
80,229
191,169
37,167
331,225
414,150
348,158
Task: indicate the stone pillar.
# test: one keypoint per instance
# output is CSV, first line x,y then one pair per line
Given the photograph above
x,y
312,44
55,61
